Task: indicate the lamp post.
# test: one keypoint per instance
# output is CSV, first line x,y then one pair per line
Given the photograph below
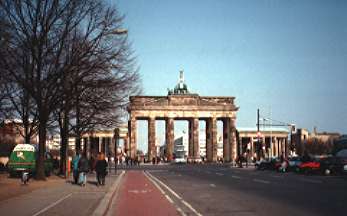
x,y
120,31
269,154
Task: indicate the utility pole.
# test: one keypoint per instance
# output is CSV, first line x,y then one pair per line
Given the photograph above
x,y
258,136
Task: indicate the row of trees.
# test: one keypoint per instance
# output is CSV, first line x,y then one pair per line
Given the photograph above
x,y
316,146
64,64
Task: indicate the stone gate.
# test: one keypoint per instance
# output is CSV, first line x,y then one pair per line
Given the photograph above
x,y
179,104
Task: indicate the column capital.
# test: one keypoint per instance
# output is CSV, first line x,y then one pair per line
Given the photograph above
x,y
151,118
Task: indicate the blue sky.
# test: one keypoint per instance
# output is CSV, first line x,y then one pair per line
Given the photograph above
x,y
284,57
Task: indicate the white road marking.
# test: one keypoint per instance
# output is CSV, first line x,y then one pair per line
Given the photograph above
x,y
276,176
261,181
220,174
180,211
53,204
160,170
166,196
139,191
174,193
236,177
212,185
312,181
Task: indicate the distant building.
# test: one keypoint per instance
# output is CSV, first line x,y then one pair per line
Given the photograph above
x,y
273,142
248,140
301,137
12,132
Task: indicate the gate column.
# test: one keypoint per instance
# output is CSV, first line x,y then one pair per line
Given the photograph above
x,y
194,150
226,138
211,140
151,139
169,134
133,129
232,140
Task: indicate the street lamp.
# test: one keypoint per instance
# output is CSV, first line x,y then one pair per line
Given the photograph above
x,y
269,149
120,31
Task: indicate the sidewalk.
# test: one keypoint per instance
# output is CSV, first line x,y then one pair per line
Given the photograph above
x,y
138,196
56,196
12,187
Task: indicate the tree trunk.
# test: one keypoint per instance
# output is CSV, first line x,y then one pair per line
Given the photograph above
x,y
64,134
78,131
40,169
26,121
78,143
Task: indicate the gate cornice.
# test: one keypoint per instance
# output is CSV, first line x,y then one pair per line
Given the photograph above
x,y
193,103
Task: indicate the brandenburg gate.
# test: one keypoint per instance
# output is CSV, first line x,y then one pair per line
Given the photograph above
x,y
179,104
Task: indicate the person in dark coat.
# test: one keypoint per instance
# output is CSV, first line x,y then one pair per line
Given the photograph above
x,y
100,168
75,167
83,168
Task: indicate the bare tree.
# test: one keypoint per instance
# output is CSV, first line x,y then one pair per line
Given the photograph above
x,y
46,32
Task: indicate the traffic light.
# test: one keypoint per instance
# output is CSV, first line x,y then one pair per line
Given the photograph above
x,y
293,129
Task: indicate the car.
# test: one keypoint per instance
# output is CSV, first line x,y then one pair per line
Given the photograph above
x,y
268,164
342,155
23,159
180,160
293,163
336,164
310,166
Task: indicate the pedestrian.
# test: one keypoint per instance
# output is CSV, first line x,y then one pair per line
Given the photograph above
x,y
127,160
83,168
75,172
92,162
100,168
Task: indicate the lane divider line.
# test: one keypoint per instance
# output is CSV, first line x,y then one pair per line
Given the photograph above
x,y
220,174
163,192
53,204
175,194
261,181
311,181
235,177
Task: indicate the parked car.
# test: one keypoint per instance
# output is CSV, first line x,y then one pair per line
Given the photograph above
x,y
23,159
342,154
293,163
335,164
309,166
268,164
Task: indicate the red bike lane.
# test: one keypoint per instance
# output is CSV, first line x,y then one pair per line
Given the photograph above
x,y
139,196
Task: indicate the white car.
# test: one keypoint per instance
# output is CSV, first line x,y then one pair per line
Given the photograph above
x,y
180,160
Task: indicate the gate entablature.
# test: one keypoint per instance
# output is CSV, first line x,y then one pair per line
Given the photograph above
x,y
182,106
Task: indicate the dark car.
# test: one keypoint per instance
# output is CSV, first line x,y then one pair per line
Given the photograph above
x,y
335,164
269,164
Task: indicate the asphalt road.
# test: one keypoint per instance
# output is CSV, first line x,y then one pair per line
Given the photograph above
x,y
225,190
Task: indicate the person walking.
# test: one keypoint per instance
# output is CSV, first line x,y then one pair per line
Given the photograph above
x,y
83,168
75,172
100,168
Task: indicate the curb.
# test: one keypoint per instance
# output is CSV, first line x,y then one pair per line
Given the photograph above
x,y
104,205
